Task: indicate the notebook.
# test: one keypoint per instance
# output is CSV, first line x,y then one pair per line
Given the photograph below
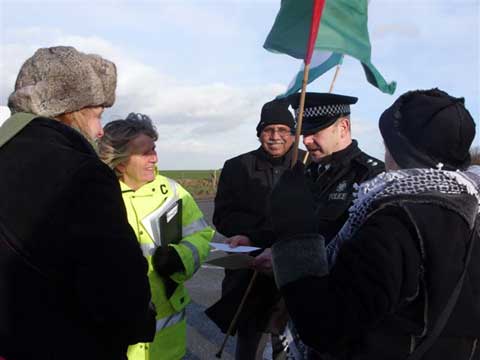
x,y
164,225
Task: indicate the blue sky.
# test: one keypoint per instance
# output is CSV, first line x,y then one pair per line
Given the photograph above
x,y
198,69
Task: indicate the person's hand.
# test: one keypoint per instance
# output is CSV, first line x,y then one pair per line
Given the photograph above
x,y
166,261
238,240
263,262
292,209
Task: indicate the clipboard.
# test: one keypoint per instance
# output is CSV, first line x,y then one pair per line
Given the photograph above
x,y
233,261
164,225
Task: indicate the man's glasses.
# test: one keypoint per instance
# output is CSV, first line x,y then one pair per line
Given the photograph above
x,y
281,131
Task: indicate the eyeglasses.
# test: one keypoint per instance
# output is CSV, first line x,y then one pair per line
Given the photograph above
x,y
281,131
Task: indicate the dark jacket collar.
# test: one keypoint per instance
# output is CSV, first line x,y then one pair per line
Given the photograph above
x,y
343,156
264,160
62,135
339,158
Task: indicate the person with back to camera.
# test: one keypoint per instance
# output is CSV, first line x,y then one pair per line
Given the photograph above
x,y
73,281
401,279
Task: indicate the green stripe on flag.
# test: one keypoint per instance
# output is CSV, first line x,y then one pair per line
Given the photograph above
x,y
343,29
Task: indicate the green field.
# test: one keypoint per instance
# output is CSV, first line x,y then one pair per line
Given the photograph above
x,y
189,174
200,183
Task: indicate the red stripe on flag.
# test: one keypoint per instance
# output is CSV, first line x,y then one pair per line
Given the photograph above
x,y
318,6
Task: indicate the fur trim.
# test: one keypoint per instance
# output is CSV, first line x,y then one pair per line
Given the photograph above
x,y
299,257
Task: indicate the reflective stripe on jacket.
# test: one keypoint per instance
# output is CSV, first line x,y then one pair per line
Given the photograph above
x,y
169,342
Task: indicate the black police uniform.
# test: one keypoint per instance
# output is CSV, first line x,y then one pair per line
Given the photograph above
x,y
333,182
334,178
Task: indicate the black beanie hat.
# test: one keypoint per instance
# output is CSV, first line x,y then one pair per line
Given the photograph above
x,y
276,112
428,129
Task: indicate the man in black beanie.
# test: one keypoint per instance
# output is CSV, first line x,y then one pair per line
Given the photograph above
x,y
240,214
401,279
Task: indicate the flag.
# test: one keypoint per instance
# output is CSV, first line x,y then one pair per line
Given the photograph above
x,y
342,30
321,62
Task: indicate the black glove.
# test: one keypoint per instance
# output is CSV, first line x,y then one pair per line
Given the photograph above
x,y
166,261
292,209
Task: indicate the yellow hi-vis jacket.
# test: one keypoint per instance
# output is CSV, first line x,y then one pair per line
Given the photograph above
x,y
170,340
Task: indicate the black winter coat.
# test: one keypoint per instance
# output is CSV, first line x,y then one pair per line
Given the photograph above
x,y
382,294
241,203
332,182
241,208
73,280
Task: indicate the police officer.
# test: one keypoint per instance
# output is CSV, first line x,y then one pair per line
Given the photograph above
x,y
337,164
128,147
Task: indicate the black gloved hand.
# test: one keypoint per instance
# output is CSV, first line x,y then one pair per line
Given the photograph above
x,y
166,261
292,209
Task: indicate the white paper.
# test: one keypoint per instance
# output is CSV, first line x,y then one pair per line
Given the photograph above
x,y
238,249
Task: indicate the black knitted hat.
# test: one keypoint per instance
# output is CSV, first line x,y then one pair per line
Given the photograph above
x,y
428,128
276,112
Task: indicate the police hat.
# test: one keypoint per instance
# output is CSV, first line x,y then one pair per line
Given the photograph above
x,y
321,109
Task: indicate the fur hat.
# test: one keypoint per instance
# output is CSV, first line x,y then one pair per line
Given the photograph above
x,y
428,128
276,112
60,80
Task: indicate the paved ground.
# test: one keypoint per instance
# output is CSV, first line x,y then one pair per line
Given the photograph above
x,y
204,338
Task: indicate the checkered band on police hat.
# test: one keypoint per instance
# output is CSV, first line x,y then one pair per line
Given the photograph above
x,y
321,109
325,111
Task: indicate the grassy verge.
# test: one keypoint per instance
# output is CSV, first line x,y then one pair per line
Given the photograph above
x,y
202,184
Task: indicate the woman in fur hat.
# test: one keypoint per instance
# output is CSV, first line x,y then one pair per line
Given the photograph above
x,y
73,280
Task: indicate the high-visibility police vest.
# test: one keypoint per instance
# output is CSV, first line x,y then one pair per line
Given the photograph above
x,y
170,339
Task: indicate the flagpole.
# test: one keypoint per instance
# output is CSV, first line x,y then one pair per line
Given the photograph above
x,y
337,70
305,158
300,115
237,313
317,11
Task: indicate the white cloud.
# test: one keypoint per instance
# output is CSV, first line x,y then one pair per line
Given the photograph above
x,y
407,30
197,121
198,69
4,114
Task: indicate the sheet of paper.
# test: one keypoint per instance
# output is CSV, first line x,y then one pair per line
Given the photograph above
x,y
238,249
232,261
